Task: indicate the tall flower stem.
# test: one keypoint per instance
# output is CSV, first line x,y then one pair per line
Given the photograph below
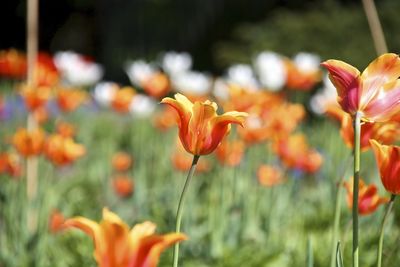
x,y
357,134
380,247
336,220
375,26
32,162
180,207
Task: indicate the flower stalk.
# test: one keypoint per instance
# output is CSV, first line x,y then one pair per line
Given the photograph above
x,y
32,162
180,207
357,135
380,246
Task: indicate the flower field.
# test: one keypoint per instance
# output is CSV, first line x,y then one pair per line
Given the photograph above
x,y
265,197
280,161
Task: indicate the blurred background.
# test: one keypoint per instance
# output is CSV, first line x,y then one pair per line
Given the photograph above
x,y
215,32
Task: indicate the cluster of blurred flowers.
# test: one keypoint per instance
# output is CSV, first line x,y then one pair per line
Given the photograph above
x,y
260,90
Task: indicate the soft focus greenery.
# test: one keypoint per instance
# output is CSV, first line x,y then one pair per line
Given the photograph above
x,y
329,28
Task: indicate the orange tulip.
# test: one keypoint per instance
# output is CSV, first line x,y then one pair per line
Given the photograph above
x,y
388,160
200,128
46,73
230,153
56,221
117,246
41,115
368,198
65,129
122,99
62,150
69,99
165,119
12,64
157,85
283,119
300,80
255,129
295,153
269,176
121,161
35,97
375,93
385,133
29,143
123,185
10,164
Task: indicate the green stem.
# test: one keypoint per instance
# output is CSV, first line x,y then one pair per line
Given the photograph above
x,y
336,220
357,134
388,209
180,206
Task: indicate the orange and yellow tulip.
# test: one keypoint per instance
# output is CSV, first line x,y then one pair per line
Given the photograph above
x,y
123,185
117,246
368,198
62,150
12,64
157,85
298,79
35,97
10,164
269,176
69,99
230,153
388,161
121,161
122,99
201,130
29,143
385,133
375,93
65,129
295,153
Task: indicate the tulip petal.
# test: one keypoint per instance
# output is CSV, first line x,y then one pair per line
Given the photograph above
x,y
155,245
386,104
347,81
199,127
382,70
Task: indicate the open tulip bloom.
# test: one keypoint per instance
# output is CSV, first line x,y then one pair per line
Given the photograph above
x,y
201,130
375,92
117,246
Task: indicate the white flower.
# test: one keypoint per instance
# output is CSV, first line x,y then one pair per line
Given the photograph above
x,y
191,82
174,63
221,89
104,92
271,71
324,97
243,76
307,62
76,70
142,106
139,71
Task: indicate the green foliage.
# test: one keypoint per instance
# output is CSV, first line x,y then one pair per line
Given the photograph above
x,y
328,29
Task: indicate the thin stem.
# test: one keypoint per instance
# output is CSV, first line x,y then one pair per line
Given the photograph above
x,y
180,207
380,247
32,162
336,220
375,26
357,134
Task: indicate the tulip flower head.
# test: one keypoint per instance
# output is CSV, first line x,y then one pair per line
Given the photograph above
x,y
201,130
368,198
123,185
62,150
117,246
269,175
375,92
388,161
29,143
